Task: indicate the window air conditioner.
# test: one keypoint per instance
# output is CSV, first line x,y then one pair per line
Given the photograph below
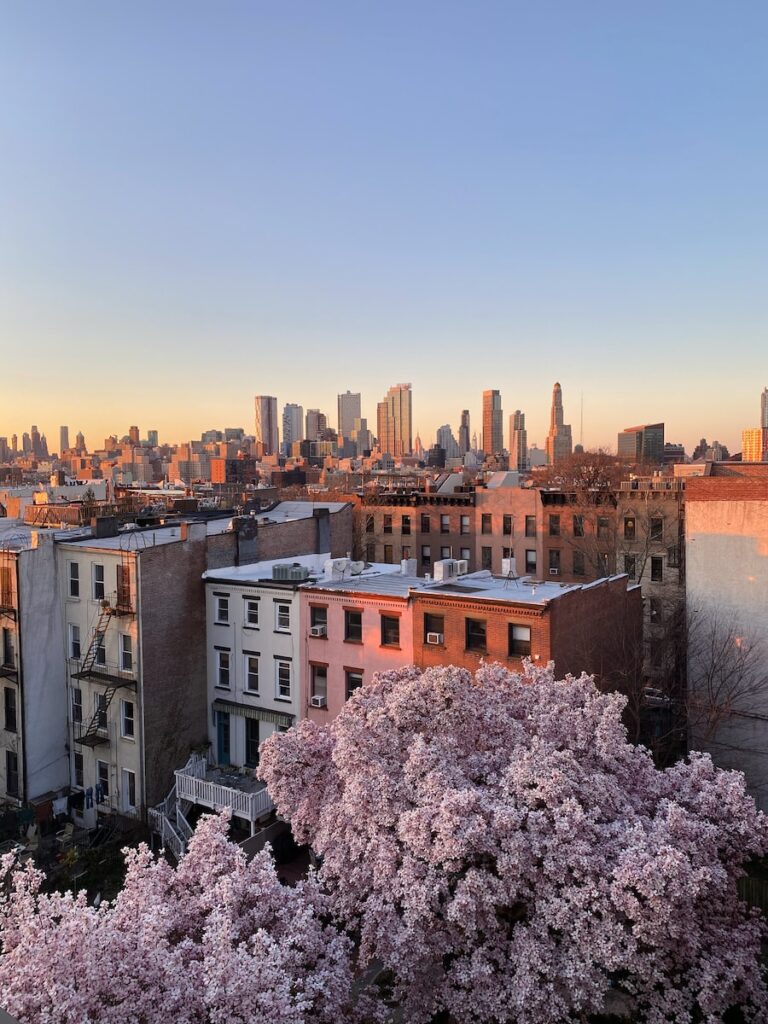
x,y
435,638
462,567
318,702
554,572
318,630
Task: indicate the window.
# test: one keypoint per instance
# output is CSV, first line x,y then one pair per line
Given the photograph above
x,y
74,641
425,523
507,552
126,652
222,611
464,526
282,617
10,709
673,557
370,551
445,523
475,635
530,526
388,554
387,524
426,555
554,560
320,681
530,561
97,579
445,552
486,558
656,610
74,579
318,616
101,649
353,679
578,563
578,526
554,526
630,566
251,672
602,564
369,524
126,719
657,569
466,555
657,528
11,773
102,778
519,641
79,770
251,618
77,704
222,669
629,527
283,679
390,631
7,651
353,626
486,523
603,527
100,710
129,790
251,742
507,527
433,624
405,526
406,551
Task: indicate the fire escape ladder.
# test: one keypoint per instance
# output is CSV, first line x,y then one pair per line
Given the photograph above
x,y
97,639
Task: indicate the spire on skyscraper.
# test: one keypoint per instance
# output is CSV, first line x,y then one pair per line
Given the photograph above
x,y
559,441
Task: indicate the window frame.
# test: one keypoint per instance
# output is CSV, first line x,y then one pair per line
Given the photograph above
x,y
386,624
318,679
530,526
10,709
73,578
348,672
248,673
445,523
102,779
126,652
465,526
351,627
282,610
507,525
125,719
475,639
98,584
280,684
554,524
657,569
223,669
518,647
250,604
486,524
221,609
74,641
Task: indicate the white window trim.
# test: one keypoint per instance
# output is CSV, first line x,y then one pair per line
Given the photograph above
x,y
278,627
246,673
219,684
123,733
123,651
102,581
218,620
278,695
247,602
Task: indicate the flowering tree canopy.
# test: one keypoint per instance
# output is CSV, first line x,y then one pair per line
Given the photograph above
x,y
216,940
497,844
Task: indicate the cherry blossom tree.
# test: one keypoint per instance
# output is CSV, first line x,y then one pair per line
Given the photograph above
x,y
216,940
496,844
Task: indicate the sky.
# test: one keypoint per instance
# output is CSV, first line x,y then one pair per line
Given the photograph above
x,y
203,202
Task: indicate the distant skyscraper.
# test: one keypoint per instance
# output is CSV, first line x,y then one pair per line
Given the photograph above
x,y
26,443
349,411
393,424
447,442
133,435
559,442
754,444
266,423
493,423
518,442
317,423
764,409
153,438
80,442
464,432
14,442
293,426
63,439
37,448
643,444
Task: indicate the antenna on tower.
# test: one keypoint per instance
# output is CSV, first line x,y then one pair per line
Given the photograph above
x,y
581,423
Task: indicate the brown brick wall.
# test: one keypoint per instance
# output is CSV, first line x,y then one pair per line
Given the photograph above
x,y
745,488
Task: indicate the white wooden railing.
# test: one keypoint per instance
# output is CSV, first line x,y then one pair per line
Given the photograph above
x,y
169,837
250,806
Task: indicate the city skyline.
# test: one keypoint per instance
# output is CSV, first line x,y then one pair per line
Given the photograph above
x,y
535,412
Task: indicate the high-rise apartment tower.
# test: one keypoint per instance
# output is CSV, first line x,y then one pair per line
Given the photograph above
x,y
559,441
393,421
518,442
266,432
349,411
493,423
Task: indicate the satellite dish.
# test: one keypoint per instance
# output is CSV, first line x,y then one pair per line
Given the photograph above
x,y
356,568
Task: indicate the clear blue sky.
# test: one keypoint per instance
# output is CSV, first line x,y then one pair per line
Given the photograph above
x,y
204,201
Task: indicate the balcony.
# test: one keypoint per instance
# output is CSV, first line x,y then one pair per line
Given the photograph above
x,y
222,787
108,674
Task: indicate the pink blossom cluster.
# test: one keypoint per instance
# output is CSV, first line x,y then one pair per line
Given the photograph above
x,y
216,940
501,849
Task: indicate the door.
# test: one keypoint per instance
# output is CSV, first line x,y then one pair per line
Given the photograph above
x,y
222,737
